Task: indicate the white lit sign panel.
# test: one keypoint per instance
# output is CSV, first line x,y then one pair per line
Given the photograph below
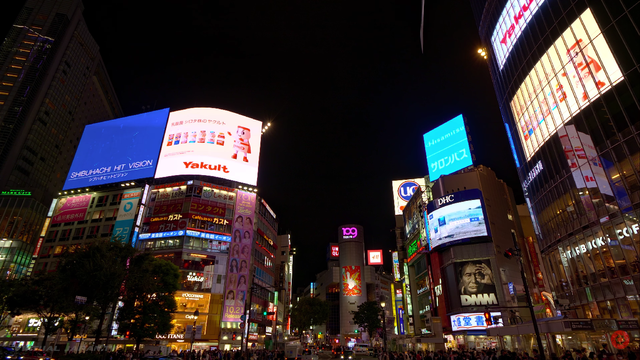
x,y
474,321
403,190
512,21
374,257
211,142
576,70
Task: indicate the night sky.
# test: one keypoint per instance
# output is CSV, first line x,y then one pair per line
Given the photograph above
x,y
344,84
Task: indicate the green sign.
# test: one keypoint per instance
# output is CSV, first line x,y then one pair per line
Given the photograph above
x,y
16,192
412,249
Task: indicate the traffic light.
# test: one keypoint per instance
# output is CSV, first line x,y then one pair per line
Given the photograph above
x,y
356,331
271,313
233,337
509,253
487,318
264,313
319,332
126,335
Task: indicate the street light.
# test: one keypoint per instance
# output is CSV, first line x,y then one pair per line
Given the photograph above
x,y
384,328
193,330
84,330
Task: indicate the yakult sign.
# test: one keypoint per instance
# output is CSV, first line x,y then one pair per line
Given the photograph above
x,y
512,21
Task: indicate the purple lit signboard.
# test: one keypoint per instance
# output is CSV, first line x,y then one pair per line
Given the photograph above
x,y
71,209
239,257
349,233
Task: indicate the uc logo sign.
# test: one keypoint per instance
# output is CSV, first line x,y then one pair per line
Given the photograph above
x,y
349,233
128,206
406,190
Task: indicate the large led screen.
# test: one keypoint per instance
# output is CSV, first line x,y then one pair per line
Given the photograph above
x,y
576,70
512,21
476,283
447,148
456,218
351,281
118,150
211,142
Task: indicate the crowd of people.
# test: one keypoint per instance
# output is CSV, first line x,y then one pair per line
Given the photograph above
x,y
493,354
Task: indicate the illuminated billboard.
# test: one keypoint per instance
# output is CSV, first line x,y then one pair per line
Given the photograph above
x,y
476,283
71,209
511,23
412,212
211,142
351,281
474,321
396,266
374,257
456,218
118,150
447,148
403,190
574,71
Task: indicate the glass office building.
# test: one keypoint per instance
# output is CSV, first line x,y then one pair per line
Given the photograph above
x,y
567,80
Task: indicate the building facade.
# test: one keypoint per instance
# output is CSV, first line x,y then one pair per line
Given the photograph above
x,y
566,78
53,84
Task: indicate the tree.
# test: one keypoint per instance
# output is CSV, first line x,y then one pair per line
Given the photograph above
x,y
368,316
148,298
45,295
308,312
8,307
97,273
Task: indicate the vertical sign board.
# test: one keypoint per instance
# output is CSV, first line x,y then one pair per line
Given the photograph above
x,y
239,257
396,266
447,148
126,215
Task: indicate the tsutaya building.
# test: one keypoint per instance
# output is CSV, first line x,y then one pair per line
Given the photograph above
x,y
595,243
212,225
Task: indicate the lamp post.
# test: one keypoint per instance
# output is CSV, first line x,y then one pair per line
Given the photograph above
x,y
193,330
384,328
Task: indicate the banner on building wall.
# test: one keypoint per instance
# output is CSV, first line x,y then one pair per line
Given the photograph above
x,y
476,283
126,215
71,209
239,257
351,281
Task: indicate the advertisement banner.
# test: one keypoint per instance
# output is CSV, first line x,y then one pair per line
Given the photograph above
x,y
71,209
474,321
351,281
211,142
583,159
201,206
535,262
239,257
403,190
374,257
396,266
447,148
476,283
126,214
411,214
511,23
118,150
456,218
170,208
576,70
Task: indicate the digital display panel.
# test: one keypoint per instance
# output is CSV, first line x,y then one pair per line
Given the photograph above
x,y
511,23
455,218
403,190
574,71
396,266
211,142
118,150
351,281
447,148
474,321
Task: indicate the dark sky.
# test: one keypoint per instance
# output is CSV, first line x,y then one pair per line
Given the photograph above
x,y
344,84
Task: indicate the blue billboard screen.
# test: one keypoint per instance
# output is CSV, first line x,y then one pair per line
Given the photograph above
x,y
456,218
118,150
447,148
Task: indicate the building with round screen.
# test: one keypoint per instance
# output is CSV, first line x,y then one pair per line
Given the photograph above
x,y
568,85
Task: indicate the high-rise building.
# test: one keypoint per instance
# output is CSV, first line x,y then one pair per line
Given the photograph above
x,y
566,78
53,83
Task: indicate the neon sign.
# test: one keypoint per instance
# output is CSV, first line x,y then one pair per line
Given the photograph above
x,y
349,233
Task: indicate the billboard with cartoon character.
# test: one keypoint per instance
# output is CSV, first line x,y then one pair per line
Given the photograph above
x,y
212,142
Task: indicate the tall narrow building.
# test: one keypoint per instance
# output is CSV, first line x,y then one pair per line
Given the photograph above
x,y
53,83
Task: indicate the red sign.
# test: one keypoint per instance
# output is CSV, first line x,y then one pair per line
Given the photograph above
x,y
197,206
374,257
335,251
167,226
535,262
620,339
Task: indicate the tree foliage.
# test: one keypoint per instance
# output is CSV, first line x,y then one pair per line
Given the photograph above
x,y
148,298
368,316
8,307
309,311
